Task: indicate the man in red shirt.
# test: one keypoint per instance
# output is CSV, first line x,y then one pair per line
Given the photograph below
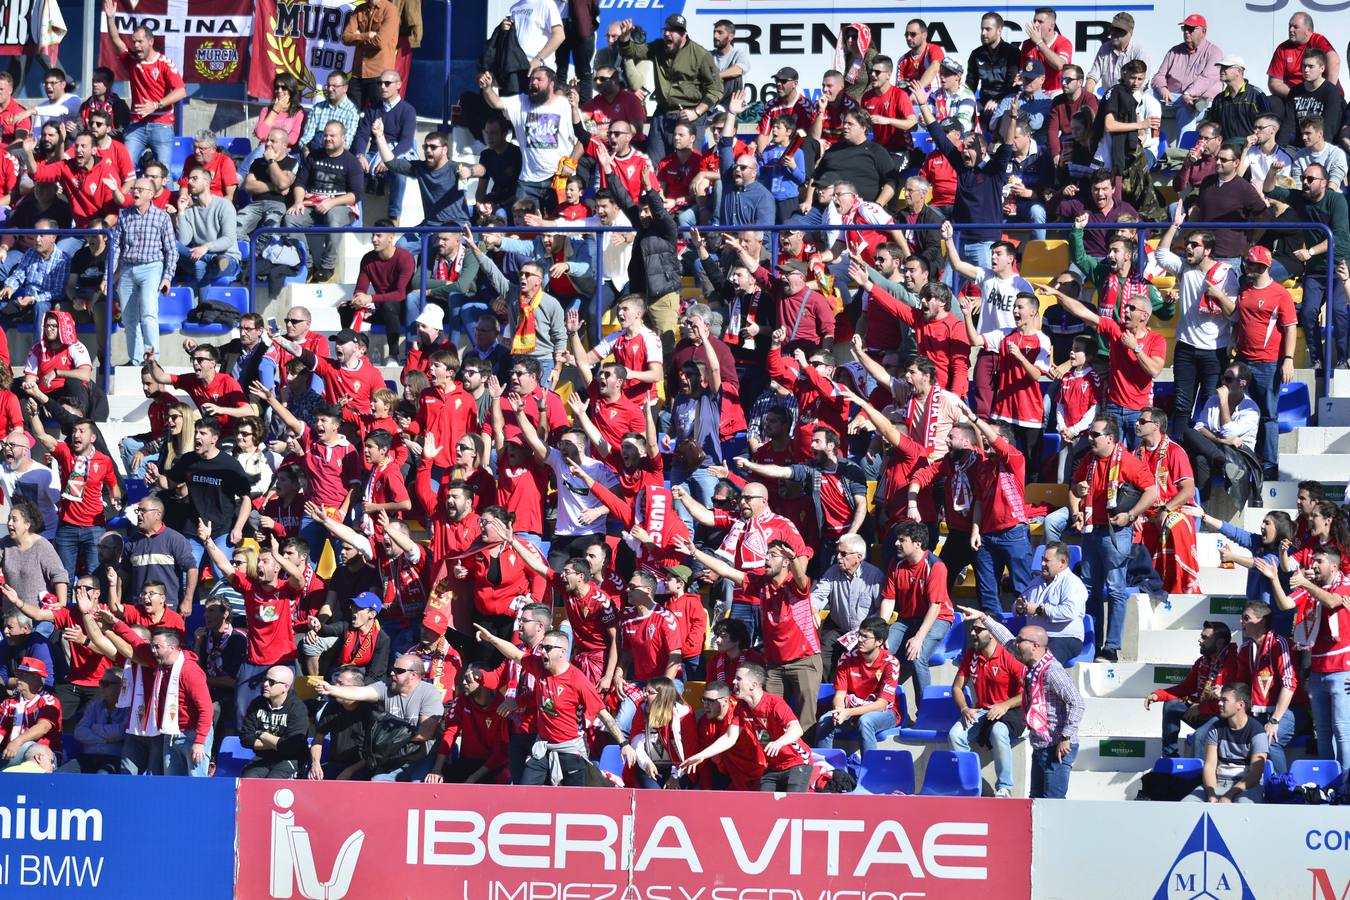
x,y
13,114
791,636
649,637
1286,63
919,64
85,473
1167,533
995,676
565,703
788,101
297,326
445,412
1266,662
681,176
351,378
892,111
110,150
688,609
1046,44
91,185
741,766
269,605
206,155
768,718
916,592
634,346
999,535
865,686
1111,489
1195,700
613,102
594,620
940,335
211,390
87,665
155,87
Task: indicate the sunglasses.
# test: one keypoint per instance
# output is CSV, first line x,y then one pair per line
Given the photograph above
x,y
1096,434
549,648
387,83
295,321
272,681
397,671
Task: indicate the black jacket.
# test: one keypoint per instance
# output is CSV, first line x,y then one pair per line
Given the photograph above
x,y
290,724
378,669
654,269
506,61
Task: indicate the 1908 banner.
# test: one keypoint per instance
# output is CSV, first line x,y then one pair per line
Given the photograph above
x,y
301,38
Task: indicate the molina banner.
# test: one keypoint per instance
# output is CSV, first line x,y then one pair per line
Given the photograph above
x,y
64,836
335,840
803,33
206,39
1186,850
302,38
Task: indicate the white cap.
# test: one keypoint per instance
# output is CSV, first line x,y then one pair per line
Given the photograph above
x,y
432,317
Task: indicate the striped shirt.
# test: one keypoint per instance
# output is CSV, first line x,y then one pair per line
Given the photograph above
x,y
42,279
1064,705
145,237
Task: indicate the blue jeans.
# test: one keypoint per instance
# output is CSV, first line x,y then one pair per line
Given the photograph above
x,y
700,484
414,771
1125,419
78,543
1105,550
165,754
1187,118
1265,390
127,448
749,614
1009,549
206,271
199,549
1050,777
534,190
1331,714
156,135
1030,211
868,726
1314,298
138,292
999,739
977,253
1056,523
1283,735
895,642
1173,711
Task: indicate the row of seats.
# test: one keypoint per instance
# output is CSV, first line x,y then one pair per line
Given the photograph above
x,y
1324,773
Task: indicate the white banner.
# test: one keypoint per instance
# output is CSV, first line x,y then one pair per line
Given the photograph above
x,y
1170,851
803,33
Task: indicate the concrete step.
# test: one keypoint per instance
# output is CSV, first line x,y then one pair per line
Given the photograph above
x,y
1226,582
922,752
1118,716
1187,611
1120,752
1125,680
1318,439
1329,467
1334,410
1103,785
1162,646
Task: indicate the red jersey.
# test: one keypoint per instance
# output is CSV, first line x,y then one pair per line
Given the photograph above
x,y
819,400
383,484
271,640
650,473
943,340
862,683
893,104
18,715
1103,473
1331,642
1169,464
938,171
802,111
1063,49
312,341
789,621
151,81
1000,484
333,469
916,586
133,616
115,156
483,735
742,763
86,666
406,579
993,679
1286,63
625,107
649,639
344,386
555,416
89,197
1079,394
221,169
565,704
634,352
223,390
449,416
9,175
1262,316
957,476
501,583
521,492
82,482
615,418
591,616
723,669
1129,384
692,617
673,175
768,721
1018,399
630,170
1267,664
832,124
910,67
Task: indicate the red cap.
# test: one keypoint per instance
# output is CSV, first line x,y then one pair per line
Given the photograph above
x,y
36,666
1259,255
1196,21
436,616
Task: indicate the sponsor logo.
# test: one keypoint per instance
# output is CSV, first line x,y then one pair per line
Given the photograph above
x,y
216,62
292,863
1204,869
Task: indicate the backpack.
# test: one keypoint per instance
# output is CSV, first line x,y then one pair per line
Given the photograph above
x,y
389,743
214,312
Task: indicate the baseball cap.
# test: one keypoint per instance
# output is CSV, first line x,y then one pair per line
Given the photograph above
x,y
367,600
1033,68
432,317
949,64
345,336
36,666
792,265
1123,20
436,618
1232,59
951,124
787,73
795,223
676,22
1195,21
1259,255
684,573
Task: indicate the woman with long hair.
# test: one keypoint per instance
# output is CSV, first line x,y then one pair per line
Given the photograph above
x,y
286,112
663,735
1327,526
180,425
1277,528
471,457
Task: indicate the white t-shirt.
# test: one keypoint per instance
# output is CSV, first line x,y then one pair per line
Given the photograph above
x,y
1244,424
1201,323
1259,162
574,497
533,21
40,484
997,298
544,133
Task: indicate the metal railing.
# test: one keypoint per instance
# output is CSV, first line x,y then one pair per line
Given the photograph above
x,y
423,233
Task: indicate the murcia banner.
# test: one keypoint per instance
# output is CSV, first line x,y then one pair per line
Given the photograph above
x,y
336,840
64,836
207,40
1183,851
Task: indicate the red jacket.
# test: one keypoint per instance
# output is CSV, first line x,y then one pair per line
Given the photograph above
x,y
194,697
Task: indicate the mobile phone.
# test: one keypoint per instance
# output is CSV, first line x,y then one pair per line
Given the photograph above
x,y
272,325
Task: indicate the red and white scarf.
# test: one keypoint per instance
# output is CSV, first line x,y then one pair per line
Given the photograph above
x,y
359,649
931,409
962,494
1112,482
1038,709
449,269
1308,615
144,721
73,490
19,720
215,649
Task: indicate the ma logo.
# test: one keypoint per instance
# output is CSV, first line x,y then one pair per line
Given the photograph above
x,y
1204,869
293,858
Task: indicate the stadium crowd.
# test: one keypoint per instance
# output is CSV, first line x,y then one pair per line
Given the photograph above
x,y
523,546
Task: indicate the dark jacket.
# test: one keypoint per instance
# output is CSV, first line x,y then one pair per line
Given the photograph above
x,y
925,244
378,669
979,188
655,268
506,61
290,724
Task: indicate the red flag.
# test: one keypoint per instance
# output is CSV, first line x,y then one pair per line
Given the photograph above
x,y
302,38
206,39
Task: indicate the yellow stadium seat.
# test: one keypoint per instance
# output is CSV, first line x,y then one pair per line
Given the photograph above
x,y
1054,496
1044,259
693,693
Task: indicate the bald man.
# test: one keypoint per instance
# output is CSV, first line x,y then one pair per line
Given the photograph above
x,y
410,698
275,727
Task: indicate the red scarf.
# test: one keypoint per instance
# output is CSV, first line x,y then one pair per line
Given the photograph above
x,y
525,338
1112,483
359,649
1038,710
930,409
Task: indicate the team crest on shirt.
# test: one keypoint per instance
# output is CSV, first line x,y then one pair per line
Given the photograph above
x,y
268,613
764,738
1264,679
548,707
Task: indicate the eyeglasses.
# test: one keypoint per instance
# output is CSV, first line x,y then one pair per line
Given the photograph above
x,y
1226,159
744,166
549,648
782,81
748,497
86,587
274,681
1068,79
1194,245
295,321
518,373
398,671
600,79
880,71
1231,379
1310,179
202,359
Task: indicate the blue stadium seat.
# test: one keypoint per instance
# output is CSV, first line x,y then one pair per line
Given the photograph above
x,y
232,758
832,756
952,773
1322,772
1178,767
245,251
1075,557
1294,409
238,147
1187,140
182,152
923,141
234,296
955,641
933,719
1088,653
174,307
611,760
886,772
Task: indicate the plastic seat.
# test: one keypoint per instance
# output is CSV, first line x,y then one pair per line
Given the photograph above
x,y
174,308
611,760
236,297
952,773
238,147
1178,767
1044,259
886,772
1075,557
942,654
831,756
1322,772
183,148
1054,496
232,758
1294,406
923,141
933,719
1187,140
